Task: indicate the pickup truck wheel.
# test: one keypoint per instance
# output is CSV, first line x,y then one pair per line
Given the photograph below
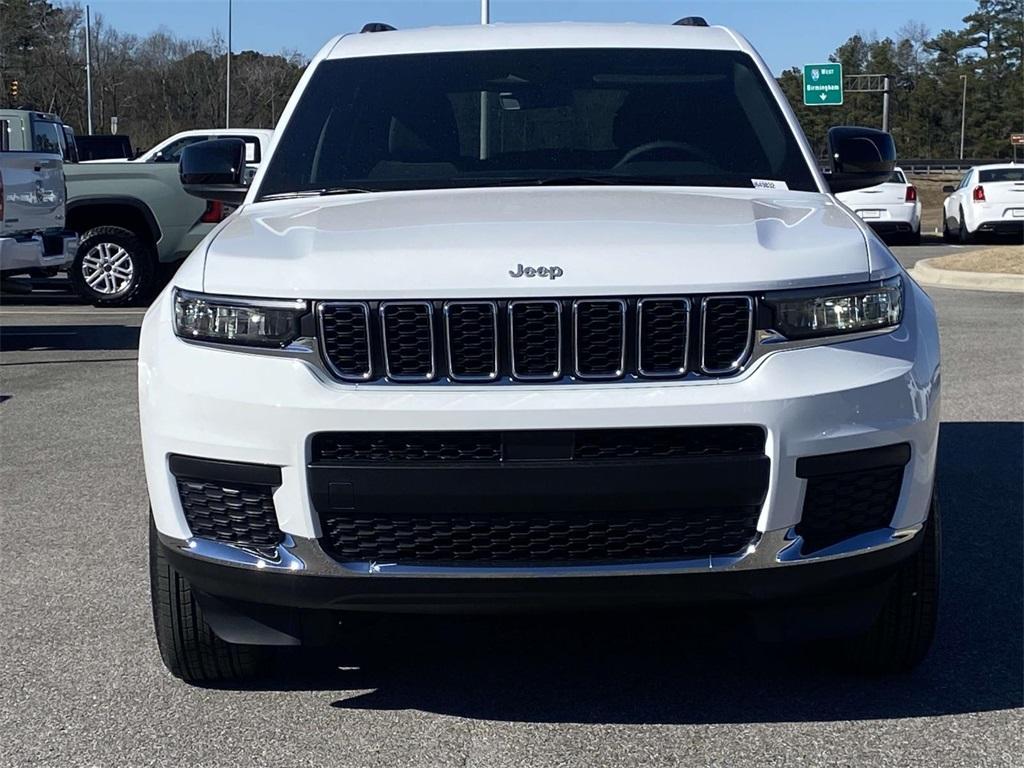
x,y
189,648
113,267
903,632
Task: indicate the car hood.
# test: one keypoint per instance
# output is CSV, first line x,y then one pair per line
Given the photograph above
x,y
470,242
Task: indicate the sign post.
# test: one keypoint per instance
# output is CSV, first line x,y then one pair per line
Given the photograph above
x,y
823,85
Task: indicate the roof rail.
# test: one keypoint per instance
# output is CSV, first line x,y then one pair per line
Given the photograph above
x,y
376,26
691,21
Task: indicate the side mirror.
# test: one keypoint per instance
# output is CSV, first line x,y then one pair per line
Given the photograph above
x,y
860,157
949,189
214,170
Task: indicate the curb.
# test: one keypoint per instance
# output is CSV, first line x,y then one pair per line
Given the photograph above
x,y
926,274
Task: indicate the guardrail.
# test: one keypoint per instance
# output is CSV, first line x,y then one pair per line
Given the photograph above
x,y
942,167
939,167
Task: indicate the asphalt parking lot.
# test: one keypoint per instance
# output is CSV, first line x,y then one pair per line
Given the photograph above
x,y
83,684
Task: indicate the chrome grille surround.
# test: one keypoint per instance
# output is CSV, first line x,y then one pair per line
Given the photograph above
x,y
508,341
390,344
449,308
580,305
684,367
556,369
737,362
323,309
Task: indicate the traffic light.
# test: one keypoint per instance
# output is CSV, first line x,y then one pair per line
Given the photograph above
x,y
13,87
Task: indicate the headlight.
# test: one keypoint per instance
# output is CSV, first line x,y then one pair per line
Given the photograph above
x,y
838,310
237,321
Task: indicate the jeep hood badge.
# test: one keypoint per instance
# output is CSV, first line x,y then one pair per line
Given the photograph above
x,y
552,273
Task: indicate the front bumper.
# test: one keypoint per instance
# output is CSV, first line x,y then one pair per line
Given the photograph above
x,y
240,407
39,251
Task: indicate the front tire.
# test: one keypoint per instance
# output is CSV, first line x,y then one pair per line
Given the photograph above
x,y
903,632
189,648
114,267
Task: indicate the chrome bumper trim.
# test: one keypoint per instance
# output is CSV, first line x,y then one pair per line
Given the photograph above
x,y
773,549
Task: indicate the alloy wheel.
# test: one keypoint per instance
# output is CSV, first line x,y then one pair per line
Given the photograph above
x,y
108,269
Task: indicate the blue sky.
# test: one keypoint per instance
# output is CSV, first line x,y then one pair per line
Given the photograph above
x,y
786,32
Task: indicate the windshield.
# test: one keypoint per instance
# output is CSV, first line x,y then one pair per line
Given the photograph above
x,y
493,118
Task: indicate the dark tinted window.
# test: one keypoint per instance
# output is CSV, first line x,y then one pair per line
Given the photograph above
x,y
46,137
172,152
504,117
897,178
1001,174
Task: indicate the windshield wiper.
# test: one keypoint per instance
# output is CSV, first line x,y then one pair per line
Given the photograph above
x,y
324,192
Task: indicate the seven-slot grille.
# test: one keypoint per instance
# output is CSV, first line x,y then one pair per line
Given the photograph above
x,y
536,340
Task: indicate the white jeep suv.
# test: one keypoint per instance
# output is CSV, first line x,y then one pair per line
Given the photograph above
x,y
553,317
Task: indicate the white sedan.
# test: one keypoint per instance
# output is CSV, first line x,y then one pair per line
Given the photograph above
x,y
988,200
891,209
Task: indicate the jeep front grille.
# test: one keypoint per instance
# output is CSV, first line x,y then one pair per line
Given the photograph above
x,y
537,340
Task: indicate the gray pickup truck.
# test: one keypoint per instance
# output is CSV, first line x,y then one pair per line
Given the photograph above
x,y
33,236
135,220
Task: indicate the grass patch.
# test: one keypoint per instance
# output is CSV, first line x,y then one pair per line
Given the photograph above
x,y
1007,260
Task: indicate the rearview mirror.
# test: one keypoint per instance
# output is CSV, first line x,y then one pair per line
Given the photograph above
x,y
214,170
859,157
949,189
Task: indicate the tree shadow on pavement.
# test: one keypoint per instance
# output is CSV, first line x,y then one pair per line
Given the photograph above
x,y
620,668
40,338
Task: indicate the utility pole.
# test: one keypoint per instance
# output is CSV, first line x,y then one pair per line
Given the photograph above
x,y
88,71
485,102
885,104
963,116
227,79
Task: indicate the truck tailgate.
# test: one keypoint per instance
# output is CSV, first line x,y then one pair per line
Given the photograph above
x,y
34,192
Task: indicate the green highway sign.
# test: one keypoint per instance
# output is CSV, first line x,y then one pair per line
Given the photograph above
x,y
823,84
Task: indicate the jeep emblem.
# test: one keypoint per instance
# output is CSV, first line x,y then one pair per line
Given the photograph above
x,y
552,273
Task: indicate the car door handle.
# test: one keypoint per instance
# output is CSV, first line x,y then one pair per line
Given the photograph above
x,y
37,169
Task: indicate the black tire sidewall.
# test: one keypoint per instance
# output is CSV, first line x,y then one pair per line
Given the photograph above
x,y
962,234
143,265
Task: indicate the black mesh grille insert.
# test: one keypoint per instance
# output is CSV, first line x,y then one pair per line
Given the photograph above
x,y
408,340
584,444
668,442
483,539
727,332
235,513
536,334
472,340
345,331
663,336
600,338
401,447
839,506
